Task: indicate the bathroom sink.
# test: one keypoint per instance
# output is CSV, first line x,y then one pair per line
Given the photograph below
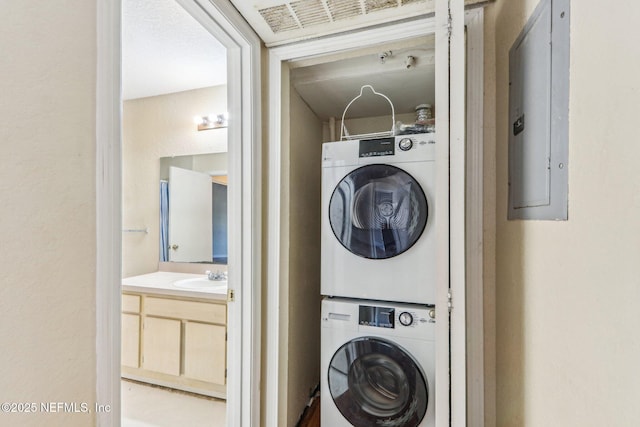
x,y
201,283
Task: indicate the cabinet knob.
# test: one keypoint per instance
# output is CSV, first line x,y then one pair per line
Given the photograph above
x,y
174,247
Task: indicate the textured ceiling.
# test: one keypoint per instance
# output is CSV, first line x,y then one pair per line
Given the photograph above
x,y
165,50
328,87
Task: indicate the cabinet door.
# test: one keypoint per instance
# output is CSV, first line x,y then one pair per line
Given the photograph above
x,y
161,345
205,352
130,350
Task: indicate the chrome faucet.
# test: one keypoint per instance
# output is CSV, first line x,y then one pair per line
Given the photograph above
x,y
217,275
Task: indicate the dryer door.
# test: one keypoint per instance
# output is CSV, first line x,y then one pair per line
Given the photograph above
x,y
375,382
378,211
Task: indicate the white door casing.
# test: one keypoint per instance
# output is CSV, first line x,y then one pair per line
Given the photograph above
x,y
244,132
456,113
475,294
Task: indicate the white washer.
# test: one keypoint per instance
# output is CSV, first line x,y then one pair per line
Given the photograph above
x,y
378,234
377,364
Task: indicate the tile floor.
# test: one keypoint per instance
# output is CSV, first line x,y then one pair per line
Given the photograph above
x,y
150,406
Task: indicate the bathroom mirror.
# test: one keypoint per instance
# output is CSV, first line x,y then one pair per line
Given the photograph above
x,y
193,208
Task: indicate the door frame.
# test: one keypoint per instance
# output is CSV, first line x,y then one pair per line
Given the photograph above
x,y
475,339
223,21
466,321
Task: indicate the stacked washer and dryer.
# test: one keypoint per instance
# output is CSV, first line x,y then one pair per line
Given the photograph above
x,y
378,281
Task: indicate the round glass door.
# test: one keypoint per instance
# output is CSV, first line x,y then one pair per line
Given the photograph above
x,y
378,211
374,382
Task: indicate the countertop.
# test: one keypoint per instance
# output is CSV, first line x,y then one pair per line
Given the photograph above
x,y
161,282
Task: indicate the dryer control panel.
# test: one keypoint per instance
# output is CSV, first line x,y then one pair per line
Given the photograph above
x,y
377,147
398,149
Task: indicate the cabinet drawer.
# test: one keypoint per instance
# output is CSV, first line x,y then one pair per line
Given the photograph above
x,y
131,303
189,310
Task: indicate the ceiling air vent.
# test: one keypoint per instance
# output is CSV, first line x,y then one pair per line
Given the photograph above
x,y
375,5
310,12
343,9
279,18
302,14
280,22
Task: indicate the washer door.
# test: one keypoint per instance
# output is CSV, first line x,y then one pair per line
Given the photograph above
x,y
374,382
378,211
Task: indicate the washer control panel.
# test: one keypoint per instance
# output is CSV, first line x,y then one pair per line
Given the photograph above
x,y
388,317
379,317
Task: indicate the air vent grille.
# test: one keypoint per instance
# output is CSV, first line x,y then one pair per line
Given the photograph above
x,y
344,9
301,14
279,18
376,5
310,12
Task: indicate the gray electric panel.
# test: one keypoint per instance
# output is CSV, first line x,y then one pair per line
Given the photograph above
x,y
538,115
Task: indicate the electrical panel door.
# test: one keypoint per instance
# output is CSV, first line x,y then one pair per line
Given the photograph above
x,y
538,113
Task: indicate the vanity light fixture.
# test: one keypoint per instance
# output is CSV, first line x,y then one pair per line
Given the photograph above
x,y
212,121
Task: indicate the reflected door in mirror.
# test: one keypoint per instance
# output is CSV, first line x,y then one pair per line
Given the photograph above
x,y
190,213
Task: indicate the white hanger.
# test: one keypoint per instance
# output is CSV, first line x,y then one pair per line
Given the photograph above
x,y
393,112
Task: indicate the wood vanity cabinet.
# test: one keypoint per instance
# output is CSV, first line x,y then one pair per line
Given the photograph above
x,y
161,344
175,342
130,347
202,359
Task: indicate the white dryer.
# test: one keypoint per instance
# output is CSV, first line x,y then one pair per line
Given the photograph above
x,y
378,234
377,364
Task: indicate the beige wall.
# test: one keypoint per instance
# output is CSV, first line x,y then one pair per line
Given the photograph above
x,y
300,263
47,219
156,127
567,293
304,261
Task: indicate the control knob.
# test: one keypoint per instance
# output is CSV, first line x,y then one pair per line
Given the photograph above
x,y
405,144
406,319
